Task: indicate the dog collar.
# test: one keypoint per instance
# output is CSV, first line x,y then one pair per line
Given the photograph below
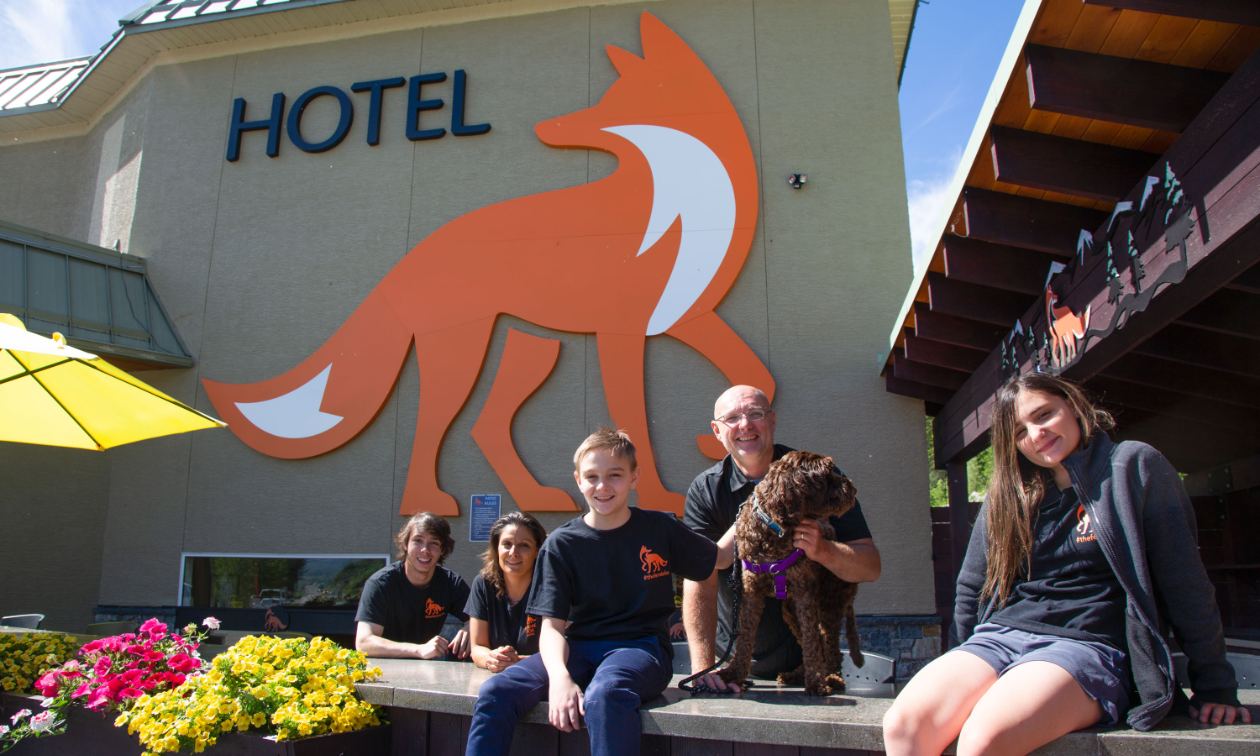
x,y
761,515
777,569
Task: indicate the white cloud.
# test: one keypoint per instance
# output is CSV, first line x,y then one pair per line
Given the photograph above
x,y
42,31
927,200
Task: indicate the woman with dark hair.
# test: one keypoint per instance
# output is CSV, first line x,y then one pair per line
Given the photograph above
x,y
1084,549
404,606
501,633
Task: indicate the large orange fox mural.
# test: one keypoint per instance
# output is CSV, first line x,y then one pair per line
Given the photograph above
x,y
650,250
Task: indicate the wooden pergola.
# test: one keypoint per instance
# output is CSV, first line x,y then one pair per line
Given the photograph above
x,y
1105,228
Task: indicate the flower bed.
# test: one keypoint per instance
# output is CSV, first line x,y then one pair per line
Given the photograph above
x,y
162,690
293,688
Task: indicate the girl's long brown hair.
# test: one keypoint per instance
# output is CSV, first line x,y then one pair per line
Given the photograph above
x,y
491,572
1019,485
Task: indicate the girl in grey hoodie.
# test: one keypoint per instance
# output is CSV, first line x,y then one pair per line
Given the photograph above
x,y
1082,556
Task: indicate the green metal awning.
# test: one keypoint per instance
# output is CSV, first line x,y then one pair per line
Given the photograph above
x,y
102,301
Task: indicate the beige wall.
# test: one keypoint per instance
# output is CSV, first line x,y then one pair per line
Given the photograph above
x,y
259,261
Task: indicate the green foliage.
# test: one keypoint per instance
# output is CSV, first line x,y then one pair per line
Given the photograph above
x,y
979,473
938,489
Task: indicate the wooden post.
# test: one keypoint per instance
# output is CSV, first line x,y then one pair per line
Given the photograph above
x,y
959,523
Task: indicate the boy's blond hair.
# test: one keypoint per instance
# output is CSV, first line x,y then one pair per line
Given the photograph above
x,y
612,439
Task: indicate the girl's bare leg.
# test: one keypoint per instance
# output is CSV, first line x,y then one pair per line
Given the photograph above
x,y
1031,705
932,708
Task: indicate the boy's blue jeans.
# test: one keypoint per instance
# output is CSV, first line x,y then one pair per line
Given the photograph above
x,y
615,675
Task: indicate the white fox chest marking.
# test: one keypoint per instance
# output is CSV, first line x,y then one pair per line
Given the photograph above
x,y
688,180
295,414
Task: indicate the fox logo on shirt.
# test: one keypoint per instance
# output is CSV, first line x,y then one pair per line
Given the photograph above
x,y
432,609
653,564
1083,526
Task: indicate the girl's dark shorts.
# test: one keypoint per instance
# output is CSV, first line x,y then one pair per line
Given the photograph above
x,y
1102,671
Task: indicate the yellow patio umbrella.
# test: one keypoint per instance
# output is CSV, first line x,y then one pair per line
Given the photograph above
x,y
54,394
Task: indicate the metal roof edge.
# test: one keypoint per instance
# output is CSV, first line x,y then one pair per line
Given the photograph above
x,y
49,64
131,27
914,16
1019,35
154,358
73,247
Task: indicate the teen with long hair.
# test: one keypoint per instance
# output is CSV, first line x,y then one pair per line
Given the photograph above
x,y
501,633
1083,551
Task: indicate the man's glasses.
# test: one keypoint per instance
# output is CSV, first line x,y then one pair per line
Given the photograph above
x,y
754,415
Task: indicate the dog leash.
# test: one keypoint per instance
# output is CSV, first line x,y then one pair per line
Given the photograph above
x,y
735,581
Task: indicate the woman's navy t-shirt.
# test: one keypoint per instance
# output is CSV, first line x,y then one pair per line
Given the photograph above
x,y
616,584
509,625
1072,591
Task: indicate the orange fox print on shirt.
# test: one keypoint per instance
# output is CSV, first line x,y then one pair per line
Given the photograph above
x,y
654,565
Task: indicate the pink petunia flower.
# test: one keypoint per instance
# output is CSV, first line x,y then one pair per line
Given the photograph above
x,y
42,721
211,623
182,663
23,713
47,685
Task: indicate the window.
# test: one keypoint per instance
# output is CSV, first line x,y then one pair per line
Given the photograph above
x,y
257,581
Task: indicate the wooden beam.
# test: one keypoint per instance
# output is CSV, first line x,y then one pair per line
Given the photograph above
x,y
950,329
1069,166
1052,227
1217,161
1122,90
982,303
1194,346
1228,311
929,375
1186,379
1190,409
941,354
1189,447
895,385
1248,281
1246,12
996,265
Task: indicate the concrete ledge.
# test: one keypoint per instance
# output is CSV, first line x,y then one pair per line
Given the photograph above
x,y
787,717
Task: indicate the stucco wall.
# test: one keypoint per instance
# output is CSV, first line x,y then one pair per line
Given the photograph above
x,y
260,261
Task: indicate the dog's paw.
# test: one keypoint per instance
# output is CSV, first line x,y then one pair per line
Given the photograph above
x,y
817,688
857,658
730,678
796,677
836,682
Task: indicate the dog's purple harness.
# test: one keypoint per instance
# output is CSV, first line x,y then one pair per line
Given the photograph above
x,y
777,569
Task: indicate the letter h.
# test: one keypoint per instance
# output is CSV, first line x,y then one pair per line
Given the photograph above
x,y
239,124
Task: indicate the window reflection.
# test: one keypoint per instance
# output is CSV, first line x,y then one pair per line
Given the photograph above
x,y
257,582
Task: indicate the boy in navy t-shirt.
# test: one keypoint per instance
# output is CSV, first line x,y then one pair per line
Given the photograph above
x,y
606,576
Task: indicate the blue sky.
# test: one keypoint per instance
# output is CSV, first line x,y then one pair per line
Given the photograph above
x,y
953,55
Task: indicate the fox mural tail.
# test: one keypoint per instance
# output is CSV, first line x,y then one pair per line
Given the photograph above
x,y
327,399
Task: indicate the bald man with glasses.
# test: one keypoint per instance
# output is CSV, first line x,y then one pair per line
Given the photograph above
x,y
744,423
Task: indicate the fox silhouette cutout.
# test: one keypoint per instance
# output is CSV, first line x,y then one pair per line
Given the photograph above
x,y
1066,330
649,250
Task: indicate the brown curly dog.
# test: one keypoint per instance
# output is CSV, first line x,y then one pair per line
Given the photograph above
x,y
801,485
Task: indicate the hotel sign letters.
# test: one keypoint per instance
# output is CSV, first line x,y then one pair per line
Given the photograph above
x,y
375,90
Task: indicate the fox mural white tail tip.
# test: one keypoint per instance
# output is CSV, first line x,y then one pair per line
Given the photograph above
x,y
295,414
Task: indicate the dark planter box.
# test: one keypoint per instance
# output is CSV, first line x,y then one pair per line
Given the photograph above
x,y
91,733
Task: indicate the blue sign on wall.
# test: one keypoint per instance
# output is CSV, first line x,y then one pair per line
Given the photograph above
x,y
375,90
485,509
